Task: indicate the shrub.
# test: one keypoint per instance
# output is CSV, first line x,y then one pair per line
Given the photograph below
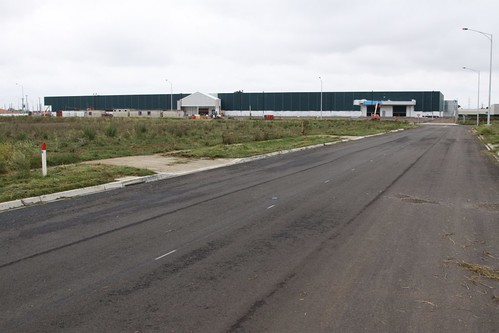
x,y
35,161
179,130
16,157
259,135
21,136
89,133
140,129
3,165
486,131
228,138
305,127
111,131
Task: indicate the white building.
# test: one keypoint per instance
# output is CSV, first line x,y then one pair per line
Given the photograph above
x,y
494,110
451,108
388,108
200,104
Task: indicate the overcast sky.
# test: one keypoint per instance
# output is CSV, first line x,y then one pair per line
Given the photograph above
x,y
85,47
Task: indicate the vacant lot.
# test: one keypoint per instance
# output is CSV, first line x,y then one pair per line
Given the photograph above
x,y
73,140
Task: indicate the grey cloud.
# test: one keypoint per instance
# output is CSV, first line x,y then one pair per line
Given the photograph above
x,y
109,46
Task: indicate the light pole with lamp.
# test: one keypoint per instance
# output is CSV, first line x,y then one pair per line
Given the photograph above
x,y
171,94
321,95
489,37
22,96
478,98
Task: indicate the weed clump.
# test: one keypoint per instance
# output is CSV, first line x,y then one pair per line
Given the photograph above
x,y
19,163
111,131
140,129
485,131
16,157
89,133
228,138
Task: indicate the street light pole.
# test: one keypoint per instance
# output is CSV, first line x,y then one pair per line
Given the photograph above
x,y
22,96
478,98
171,94
321,95
489,37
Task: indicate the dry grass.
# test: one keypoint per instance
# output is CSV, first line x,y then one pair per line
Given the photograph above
x,y
73,140
481,270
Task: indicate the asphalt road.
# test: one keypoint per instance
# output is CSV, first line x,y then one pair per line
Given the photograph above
x,y
362,236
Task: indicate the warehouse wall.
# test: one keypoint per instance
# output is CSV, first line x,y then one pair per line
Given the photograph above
x,y
109,102
258,101
331,101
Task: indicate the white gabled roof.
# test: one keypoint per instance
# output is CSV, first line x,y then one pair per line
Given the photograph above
x,y
200,99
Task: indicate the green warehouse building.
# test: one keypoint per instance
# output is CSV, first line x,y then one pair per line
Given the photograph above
x,y
280,104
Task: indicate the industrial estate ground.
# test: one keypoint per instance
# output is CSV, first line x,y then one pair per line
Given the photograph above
x,y
88,152
70,141
388,233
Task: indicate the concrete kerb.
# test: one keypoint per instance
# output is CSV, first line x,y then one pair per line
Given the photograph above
x,y
11,205
58,196
156,177
490,147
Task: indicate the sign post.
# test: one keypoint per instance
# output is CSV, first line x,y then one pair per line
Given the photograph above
x,y
44,159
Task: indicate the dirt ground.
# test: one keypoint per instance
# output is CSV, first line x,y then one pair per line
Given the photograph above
x,y
166,164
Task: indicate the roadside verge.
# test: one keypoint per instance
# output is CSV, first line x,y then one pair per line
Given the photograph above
x,y
129,181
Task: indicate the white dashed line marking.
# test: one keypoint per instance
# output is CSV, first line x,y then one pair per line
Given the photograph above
x,y
166,254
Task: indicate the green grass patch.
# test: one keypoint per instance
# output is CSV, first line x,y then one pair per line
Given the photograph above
x,y
61,178
74,140
256,148
489,132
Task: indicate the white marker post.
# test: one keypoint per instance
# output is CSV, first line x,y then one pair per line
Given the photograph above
x,y
44,159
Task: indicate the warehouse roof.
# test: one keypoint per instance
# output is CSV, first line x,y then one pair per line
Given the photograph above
x,y
200,99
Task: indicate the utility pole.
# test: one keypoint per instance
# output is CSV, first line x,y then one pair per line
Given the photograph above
x,y
171,94
22,96
321,95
